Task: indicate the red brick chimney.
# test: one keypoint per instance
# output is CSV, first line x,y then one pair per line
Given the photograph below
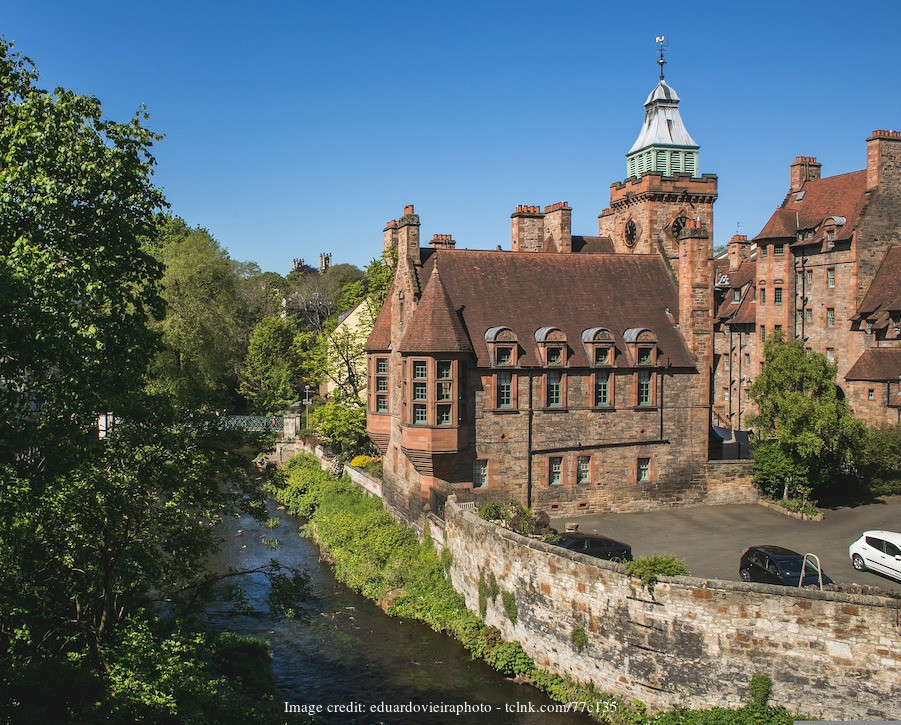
x,y
803,170
884,160
442,241
738,249
558,225
408,235
528,229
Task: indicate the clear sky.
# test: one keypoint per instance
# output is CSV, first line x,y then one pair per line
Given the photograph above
x,y
295,127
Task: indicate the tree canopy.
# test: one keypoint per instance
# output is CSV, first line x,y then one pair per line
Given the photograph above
x,y
807,436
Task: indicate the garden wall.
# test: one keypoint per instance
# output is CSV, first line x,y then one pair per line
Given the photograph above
x,y
690,641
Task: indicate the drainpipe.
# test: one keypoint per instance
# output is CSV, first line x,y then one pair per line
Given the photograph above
x,y
529,448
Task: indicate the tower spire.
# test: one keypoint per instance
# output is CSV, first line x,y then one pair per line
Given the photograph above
x,y
661,62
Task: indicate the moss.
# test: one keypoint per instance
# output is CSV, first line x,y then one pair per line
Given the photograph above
x,y
579,638
510,608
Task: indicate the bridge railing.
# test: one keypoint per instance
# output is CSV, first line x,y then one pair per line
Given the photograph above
x,y
261,423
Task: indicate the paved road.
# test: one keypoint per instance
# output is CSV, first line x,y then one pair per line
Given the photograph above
x,y
712,539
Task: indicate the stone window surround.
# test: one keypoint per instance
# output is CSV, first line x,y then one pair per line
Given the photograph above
x,y
374,394
431,401
611,390
514,390
652,385
555,474
489,465
545,390
580,457
651,469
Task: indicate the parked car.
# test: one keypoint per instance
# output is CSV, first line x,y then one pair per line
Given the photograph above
x,y
602,547
777,565
878,551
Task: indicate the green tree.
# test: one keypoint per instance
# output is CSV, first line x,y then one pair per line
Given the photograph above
x,y
201,330
274,365
343,427
76,288
807,436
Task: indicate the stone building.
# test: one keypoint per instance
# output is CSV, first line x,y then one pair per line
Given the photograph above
x,y
571,373
826,267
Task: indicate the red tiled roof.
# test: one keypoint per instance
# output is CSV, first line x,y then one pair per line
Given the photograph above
x,y
435,326
379,339
747,311
877,364
526,291
885,289
843,195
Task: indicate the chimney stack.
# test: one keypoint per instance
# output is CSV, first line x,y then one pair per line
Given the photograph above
x,y
558,225
442,241
803,170
408,235
884,160
528,229
738,249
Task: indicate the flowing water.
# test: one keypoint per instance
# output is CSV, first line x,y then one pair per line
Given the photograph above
x,y
347,652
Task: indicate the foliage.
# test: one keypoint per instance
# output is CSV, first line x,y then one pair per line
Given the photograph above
x,y
510,608
579,638
274,364
202,327
342,427
76,287
339,358
808,435
881,460
516,517
648,568
800,506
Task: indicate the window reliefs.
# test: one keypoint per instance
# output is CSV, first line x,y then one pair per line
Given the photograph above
x,y
553,353
503,347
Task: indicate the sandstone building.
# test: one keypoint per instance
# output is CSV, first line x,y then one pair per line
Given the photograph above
x,y
571,373
826,267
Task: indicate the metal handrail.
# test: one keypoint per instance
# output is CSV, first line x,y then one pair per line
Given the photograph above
x,y
804,569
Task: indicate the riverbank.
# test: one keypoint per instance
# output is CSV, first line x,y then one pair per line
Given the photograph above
x,y
385,561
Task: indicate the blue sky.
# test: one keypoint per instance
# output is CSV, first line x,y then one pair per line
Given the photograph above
x,y
297,127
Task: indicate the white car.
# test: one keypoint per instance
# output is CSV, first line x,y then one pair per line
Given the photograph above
x,y
878,551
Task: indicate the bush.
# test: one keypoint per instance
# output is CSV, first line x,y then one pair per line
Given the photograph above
x,y
360,461
579,638
520,519
881,470
648,568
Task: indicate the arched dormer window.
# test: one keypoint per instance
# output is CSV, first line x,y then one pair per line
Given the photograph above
x,y
503,347
600,347
642,346
552,347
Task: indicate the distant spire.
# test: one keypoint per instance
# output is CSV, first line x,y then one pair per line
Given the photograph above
x,y
661,62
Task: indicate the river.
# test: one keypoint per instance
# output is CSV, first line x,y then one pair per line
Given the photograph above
x,y
348,652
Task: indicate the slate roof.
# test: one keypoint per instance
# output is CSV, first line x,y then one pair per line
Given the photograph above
x,y
526,291
884,293
843,195
738,278
435,326
592,245
877,364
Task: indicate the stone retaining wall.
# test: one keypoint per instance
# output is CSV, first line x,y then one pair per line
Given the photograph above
x,y
690,641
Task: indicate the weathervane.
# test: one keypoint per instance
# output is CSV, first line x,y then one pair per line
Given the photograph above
x,y
661,62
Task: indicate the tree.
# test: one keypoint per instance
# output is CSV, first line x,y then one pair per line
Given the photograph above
x,y
274,364
201,330
76,288
807,436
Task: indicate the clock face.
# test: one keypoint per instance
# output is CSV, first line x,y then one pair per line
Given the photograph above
x,y
678,225
631,233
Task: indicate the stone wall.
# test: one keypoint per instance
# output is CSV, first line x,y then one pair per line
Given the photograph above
x,y
690,641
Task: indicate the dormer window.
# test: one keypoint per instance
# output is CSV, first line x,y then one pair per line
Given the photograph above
x,y
602,355
600,347
645,356
736,295
551,346
503,348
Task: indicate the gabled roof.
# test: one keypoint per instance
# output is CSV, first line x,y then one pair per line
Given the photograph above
x,y
435,326
884,293
738,278
877,364
379,339
841,196
526,291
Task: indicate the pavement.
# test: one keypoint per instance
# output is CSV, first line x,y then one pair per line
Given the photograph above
x,y
710,540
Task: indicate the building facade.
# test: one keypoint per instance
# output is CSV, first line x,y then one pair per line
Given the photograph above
x,y
826,268
571,373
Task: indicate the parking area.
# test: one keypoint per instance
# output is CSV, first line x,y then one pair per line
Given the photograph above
x,y
712,539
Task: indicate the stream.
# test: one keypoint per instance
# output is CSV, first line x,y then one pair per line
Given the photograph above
x,y
347,652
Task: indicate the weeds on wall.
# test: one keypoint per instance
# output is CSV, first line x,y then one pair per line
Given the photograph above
x,y
579,638
649,568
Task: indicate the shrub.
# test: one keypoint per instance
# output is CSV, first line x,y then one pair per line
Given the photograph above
x,y
579,638
509,600
881,468
360,461
648,568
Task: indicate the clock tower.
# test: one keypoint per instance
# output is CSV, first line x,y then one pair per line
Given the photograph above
x,y
665,207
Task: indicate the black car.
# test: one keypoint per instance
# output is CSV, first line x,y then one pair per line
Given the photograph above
x,y
777,565
601,547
